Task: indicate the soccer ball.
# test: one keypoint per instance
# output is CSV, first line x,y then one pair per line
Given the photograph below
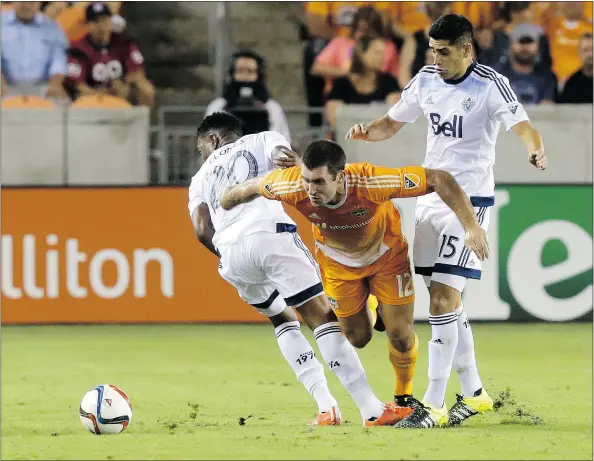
x,y
105,409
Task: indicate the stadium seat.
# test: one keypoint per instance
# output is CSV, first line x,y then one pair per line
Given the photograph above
x,y
26,102
101,101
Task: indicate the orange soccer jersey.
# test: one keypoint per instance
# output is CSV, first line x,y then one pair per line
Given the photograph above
x,y
359,244
360,230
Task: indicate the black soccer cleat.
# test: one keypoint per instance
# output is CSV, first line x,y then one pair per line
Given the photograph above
x,y
424,417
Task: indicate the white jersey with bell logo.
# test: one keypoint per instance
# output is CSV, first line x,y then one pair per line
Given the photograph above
x,y
464,118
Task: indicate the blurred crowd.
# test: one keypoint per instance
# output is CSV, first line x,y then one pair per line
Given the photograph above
x,y
355,53
365,52
72,51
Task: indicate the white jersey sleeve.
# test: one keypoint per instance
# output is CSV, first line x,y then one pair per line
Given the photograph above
x,y
503,105
408,108
196,197
273,139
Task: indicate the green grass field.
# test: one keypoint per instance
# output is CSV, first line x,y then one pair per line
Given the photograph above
x,y
191,385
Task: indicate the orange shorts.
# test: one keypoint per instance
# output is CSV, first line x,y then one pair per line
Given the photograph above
x,y
389,279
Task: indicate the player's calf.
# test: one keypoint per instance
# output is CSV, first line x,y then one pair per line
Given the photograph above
x,y
403,349
341,357
301,357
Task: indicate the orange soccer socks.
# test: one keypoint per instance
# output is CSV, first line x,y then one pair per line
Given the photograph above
x,y
404,364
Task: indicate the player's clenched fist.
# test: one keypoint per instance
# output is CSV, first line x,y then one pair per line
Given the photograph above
x,y
539,159
476,240
359,131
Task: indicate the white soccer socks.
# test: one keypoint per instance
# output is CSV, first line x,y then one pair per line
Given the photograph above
x,y
302,358
444,340
343,361
464,358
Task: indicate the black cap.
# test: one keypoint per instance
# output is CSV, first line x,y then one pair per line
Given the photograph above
x,y
95,10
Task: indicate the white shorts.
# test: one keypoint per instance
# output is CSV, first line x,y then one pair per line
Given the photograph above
x,y
439,252
272,271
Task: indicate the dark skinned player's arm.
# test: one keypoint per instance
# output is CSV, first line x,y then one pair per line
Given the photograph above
x,y
242,193
203,227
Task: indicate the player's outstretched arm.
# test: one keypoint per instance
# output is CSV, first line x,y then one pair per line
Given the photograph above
x,y
444,184
242,193
203,227
378,130
532,141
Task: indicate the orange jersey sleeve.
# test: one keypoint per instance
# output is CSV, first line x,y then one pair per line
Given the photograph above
x,y
380,184
283,185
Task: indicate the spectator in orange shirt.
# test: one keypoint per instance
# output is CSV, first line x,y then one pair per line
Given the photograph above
x,y
336,18
579,88
416,52
408,17
335,60
565,34
365,83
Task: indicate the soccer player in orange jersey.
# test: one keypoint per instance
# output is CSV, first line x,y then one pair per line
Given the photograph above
x,y
359,244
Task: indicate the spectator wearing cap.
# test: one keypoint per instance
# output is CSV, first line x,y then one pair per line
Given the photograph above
x,y
104,62
580,86
33,51
531,85
72,19
520,14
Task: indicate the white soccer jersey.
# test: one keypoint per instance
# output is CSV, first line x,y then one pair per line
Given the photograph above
x,y
464,117
247,158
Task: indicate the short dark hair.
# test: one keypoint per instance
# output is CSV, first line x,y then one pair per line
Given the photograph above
x,y
454,28
222,123
325,153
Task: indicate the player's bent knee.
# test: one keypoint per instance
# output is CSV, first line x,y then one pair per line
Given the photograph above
x,y
401,335
358,338
288,315
443,299
316,312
